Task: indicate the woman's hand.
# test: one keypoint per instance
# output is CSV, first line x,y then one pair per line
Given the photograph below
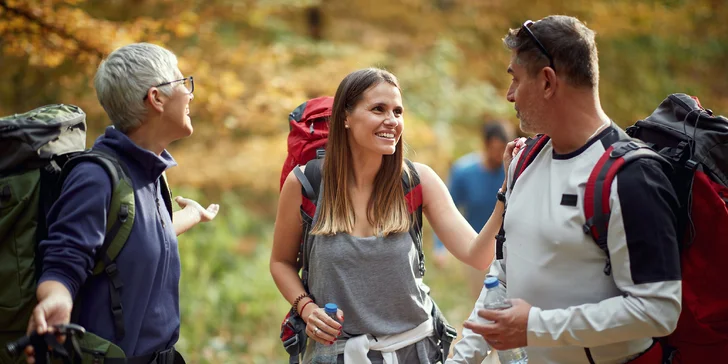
x,y
320,326
512,149
54,307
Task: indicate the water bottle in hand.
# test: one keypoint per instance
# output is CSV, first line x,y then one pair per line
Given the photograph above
x,y
495,299
326,354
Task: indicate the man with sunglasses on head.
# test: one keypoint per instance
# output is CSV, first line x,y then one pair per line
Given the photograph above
x,y
147,99
567,306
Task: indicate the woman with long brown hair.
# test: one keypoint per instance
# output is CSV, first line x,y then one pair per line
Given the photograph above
x,y
362,257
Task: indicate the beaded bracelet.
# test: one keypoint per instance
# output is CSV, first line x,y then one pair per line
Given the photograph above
x,y
298,299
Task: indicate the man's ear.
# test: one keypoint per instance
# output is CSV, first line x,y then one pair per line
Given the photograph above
x,y
549,81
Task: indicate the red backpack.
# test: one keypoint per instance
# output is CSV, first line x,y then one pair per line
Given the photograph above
x,y
309,130
694,144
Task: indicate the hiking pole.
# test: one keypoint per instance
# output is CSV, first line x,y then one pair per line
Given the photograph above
x,y
47,344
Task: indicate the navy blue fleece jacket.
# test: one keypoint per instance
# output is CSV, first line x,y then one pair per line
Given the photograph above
x,y
149,264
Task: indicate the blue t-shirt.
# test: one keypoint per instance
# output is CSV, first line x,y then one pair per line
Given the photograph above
x,y
473,189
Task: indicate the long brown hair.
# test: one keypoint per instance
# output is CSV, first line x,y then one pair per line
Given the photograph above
x,y
386,210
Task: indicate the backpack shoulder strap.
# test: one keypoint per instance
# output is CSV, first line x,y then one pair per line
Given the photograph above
x,y
531,150
120,220
413,199
166,194
599,185
310,188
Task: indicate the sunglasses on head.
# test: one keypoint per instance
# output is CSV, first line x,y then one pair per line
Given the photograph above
x,y
525,27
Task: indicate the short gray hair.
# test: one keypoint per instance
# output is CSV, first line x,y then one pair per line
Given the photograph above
x,y
124,77
570,43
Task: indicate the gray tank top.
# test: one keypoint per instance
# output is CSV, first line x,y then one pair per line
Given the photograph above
x,y
374,280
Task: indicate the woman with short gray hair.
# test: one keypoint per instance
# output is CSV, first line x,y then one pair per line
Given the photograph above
x,y
135,306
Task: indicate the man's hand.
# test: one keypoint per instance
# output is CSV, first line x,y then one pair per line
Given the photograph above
x,y
203,214
508,329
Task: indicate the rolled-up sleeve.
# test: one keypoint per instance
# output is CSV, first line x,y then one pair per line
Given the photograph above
x,y
76,227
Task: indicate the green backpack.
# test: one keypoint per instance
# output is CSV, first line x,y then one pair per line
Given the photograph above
x,y
37,151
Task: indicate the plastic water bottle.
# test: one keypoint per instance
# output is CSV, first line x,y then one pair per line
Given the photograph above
x,y
326,354
495,299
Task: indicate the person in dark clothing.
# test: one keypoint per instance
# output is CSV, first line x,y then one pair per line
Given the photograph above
x,y
147,98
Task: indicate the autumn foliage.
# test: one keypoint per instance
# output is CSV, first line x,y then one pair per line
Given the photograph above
x,y
255,60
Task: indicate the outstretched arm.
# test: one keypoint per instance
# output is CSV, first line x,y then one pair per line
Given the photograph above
x,y
474,249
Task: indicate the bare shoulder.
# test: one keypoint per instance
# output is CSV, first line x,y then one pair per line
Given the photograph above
x,y
292,184
426,173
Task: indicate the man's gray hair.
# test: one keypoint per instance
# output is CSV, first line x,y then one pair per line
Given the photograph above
x,y
124,77
570,43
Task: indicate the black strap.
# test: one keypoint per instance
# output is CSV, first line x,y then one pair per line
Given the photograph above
x,y
115,296
446,339
589,357
113,273
311,185
308,190
166,195
314,175
169,356
409,182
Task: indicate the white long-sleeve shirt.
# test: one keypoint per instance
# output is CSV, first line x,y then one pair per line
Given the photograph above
x,y
578,311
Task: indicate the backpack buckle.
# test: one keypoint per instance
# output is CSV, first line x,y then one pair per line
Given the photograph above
x,y
623,149
500,238
587,227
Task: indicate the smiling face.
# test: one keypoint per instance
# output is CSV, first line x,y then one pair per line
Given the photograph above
x,y
176,114
376,123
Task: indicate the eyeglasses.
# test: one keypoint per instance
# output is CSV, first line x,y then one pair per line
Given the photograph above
x,y
525,27
189,83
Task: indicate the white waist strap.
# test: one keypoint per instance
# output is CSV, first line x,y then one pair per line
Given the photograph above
x,y
356,348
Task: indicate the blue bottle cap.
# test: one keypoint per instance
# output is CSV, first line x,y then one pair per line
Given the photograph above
x,y
330,308
491,282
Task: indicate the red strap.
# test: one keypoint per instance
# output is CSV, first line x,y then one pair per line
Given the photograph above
x,y
414,199
308,207
591,183
697,101
532,153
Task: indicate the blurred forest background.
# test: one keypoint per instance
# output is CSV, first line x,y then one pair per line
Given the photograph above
x,y
255,60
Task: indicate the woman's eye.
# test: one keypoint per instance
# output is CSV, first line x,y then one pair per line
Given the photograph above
x,y
378,109
397,112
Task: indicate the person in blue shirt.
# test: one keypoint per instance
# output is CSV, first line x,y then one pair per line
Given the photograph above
x,y
473,182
